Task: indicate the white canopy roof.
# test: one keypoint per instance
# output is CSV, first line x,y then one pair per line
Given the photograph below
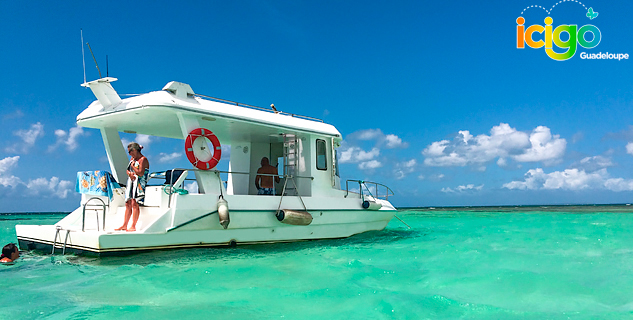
x,y
156,113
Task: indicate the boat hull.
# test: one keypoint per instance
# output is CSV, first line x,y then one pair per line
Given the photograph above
x,y
205,232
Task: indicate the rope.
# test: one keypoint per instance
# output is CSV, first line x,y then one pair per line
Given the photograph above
x,y
402,221
173,190
221,186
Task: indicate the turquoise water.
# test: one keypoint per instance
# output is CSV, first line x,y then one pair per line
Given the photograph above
x,y
478,263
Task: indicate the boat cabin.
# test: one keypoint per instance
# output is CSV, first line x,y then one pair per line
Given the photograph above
x,y
302,148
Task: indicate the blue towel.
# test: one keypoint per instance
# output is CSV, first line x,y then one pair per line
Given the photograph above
x,y
98,183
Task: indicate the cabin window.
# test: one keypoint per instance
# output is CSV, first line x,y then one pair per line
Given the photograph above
x,y
321,155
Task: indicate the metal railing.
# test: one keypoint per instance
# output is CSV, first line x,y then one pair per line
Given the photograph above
x,y
257,108
59,228
284,176
364,185
155,175
83,217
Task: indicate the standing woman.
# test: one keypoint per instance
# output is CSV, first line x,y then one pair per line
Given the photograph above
x,y
138,173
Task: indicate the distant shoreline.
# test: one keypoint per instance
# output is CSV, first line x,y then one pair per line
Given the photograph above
x,y
33,213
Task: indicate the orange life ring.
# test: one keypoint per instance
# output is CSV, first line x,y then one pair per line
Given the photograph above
x,y
189,148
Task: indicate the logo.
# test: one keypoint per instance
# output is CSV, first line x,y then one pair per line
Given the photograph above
x,y
548,36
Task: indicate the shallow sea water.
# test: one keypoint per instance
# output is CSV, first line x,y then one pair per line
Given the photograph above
x,y
455,263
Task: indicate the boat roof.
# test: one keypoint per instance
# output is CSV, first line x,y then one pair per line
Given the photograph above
x,y
157,114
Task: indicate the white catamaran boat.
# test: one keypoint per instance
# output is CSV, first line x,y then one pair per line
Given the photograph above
x,y
309,202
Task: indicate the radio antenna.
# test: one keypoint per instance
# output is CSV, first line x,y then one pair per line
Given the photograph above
x,y
107,69
93,58
83,57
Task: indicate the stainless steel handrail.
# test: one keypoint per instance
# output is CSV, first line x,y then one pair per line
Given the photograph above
x,y
267,174
362,183
233,172
83,218
218,171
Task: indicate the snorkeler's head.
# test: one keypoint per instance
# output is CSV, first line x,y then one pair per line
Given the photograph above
x,y
10,251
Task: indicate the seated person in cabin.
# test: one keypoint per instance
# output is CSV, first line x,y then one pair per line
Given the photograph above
x,y
138,173
10,253
264,179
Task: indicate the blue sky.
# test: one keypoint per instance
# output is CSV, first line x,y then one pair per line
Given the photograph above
x,y
432,98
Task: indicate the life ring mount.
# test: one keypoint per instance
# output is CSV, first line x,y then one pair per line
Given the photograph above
x,y
197,149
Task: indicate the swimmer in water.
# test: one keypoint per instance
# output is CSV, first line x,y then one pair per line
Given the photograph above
x,y
10,253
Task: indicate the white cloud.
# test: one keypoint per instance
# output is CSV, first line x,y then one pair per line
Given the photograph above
x,y
470,187
463,188
167,158
593,163
372,164
28,137
389,141
52,187
6,178
544,147
619,184
356,154
570,179
436,149
421,177
362,155
629,148
368,134
143,139
392,141
409,164
352,152
403,168
192,187
437,177
452,159
503,142
69,139
573,179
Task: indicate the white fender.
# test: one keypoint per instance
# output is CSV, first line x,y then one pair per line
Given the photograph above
x,y
371,205
223,212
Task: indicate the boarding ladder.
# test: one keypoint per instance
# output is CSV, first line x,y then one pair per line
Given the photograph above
x,y
96,207
290,170
290,163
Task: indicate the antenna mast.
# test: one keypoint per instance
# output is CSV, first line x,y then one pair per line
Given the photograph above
x,y
93,58
83,58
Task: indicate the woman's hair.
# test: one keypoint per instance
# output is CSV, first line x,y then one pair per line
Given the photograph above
x,y
8,250
134,145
